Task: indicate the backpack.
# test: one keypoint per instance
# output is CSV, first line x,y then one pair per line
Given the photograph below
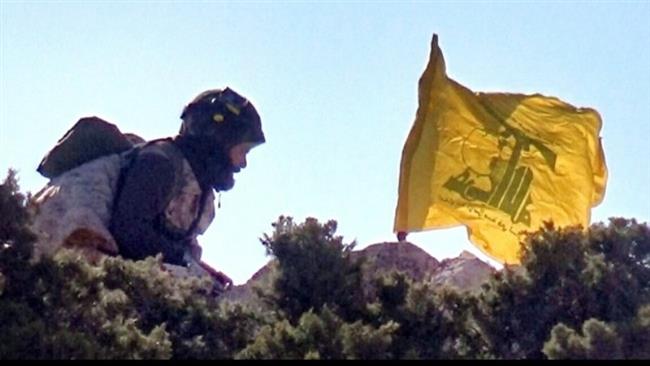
x,y
94,153
89,139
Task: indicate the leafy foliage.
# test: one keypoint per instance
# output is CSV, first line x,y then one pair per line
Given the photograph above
x,y
65,308
578,294
314,269
435,322
323,335
325,313
567,277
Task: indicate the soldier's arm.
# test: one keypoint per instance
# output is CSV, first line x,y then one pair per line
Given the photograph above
x,y
138,211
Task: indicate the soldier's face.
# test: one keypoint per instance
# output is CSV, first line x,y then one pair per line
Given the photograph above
x,y
238,155
225,178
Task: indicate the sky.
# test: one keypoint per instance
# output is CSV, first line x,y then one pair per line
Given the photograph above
x,y
335,83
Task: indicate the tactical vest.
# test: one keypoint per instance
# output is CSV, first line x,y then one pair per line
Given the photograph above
x,y
74,209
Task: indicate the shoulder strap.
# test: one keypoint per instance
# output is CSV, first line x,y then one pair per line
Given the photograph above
x,y
128,158
176,157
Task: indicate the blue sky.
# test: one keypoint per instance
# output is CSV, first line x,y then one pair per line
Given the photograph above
x,y
336,86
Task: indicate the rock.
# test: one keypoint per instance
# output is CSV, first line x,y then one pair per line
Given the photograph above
x,y
245,293
465,272
404,256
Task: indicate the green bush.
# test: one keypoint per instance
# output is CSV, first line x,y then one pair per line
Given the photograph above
x,y
323,311
568,277
322,335
65,308
578,294
314,268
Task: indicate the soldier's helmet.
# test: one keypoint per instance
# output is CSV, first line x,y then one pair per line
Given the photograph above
x,y
222,117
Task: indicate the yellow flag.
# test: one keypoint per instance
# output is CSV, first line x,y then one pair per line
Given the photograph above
x,y
499,163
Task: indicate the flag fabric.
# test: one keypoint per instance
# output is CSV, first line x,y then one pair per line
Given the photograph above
x,y
499,163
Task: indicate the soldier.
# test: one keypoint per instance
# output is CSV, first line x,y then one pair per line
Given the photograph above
x,y
162,198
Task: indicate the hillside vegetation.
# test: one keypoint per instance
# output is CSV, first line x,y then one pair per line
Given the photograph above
x,y
578,294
